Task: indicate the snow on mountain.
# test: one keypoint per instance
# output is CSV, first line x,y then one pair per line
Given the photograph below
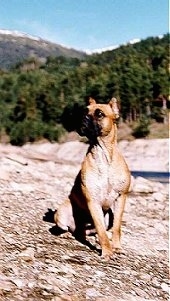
x,y
17,33
134,41
112,47
100,50
16,46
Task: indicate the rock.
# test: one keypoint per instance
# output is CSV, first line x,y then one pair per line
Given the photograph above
x,y
62,270
145,277
22,187
165,287
6,284
27,255
4,174
65,298
142,185
158,196
9,240
72,151
20,283
36,265
92,293
57,299
157,187
155,282
31,284
146,154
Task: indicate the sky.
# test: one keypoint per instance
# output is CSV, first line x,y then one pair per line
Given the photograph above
x,y
86,24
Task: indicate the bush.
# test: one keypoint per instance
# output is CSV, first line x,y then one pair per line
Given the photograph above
x,y
33,130
53,133
22,132
142,128
158,114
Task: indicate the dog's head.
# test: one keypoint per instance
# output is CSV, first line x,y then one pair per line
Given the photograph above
x,y
99,118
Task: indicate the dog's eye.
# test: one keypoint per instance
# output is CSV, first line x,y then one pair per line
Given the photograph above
x,y
99,113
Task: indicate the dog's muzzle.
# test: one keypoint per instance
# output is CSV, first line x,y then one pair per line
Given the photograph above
x,y
90,128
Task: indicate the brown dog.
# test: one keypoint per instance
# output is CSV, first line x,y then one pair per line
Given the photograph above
x,y
102,182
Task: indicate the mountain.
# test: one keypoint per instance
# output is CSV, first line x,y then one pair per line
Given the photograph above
x,y
16,46
111,47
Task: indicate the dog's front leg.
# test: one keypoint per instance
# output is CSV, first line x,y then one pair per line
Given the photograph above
x,y
116,230
98,219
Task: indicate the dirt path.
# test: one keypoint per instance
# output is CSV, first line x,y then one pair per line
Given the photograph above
x,y
36,265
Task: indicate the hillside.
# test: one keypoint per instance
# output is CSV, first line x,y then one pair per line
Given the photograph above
x,y
42,99
15,47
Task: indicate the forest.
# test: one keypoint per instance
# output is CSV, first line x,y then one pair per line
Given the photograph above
x,y
45,99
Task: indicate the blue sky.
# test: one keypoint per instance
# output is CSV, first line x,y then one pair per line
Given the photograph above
x,y
86,24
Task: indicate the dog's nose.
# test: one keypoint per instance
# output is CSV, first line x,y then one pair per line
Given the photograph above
x,y
88,120
87,117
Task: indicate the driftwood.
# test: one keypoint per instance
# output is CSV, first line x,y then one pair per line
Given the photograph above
x,y
17,159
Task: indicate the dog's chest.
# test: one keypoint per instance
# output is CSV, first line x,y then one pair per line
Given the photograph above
x,y
106,179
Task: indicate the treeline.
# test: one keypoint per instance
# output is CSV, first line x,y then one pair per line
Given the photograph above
x,y
41,100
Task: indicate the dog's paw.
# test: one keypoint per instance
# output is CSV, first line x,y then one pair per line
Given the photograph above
x,y
119,251
55,230
107,255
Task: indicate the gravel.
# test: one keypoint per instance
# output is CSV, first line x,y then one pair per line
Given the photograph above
x,y
36,265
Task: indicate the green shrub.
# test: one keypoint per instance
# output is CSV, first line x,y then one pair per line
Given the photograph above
x,y
142,128
33,130
53,133
27,130
158,114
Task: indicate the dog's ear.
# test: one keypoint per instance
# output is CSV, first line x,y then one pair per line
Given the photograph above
x,y
114,105
92,101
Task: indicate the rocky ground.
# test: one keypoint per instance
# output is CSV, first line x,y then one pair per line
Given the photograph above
x,y
36,265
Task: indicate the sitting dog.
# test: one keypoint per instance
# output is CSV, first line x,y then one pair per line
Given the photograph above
x,y
102,183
